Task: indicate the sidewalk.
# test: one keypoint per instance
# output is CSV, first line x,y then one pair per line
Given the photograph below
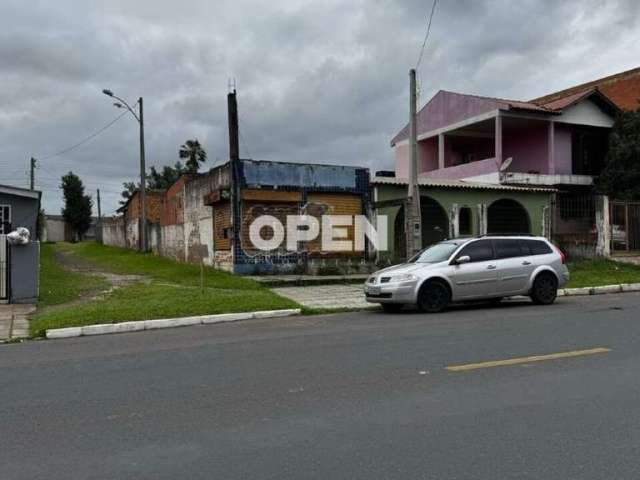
x,y
327,296
14,322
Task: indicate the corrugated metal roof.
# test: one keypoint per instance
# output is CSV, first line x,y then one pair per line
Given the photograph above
x,y
431,182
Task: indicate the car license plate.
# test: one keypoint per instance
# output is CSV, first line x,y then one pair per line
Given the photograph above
x,y
374,290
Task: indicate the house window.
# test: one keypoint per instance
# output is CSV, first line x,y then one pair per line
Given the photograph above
x,y
576,206
464,221
588,151
5,219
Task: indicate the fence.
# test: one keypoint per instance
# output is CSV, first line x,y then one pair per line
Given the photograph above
x,y
625,226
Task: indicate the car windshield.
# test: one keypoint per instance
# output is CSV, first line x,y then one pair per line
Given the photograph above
x,y
435,253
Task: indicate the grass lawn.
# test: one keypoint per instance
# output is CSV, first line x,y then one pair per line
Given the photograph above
x,y
592,273
60,286
172,290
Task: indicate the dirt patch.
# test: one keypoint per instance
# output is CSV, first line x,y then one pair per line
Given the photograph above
x,y
72,263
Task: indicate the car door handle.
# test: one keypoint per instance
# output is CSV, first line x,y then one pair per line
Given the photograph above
x,y
526,262
491,267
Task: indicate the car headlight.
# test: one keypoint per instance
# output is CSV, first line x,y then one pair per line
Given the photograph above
x,y
404,277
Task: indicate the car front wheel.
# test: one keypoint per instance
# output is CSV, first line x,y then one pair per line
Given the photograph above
x,y
545,289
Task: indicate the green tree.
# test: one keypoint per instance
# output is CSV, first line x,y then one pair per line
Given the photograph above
x,y
620,177
129,188
194,154
166,177
77,206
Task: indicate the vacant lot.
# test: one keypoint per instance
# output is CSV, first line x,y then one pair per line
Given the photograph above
x,y
93,284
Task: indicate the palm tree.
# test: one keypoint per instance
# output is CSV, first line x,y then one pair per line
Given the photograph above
x,y
194,153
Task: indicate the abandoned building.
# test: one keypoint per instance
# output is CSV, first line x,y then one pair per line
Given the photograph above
x,y
195,219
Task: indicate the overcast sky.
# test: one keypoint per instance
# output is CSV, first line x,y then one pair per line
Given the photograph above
x,y
318,81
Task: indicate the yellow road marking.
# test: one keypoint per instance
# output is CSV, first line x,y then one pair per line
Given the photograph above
x,y
520,360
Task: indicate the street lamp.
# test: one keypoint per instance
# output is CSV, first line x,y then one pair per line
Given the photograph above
x,y
143,179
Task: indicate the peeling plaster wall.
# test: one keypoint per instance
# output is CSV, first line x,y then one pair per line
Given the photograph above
x,y
113,232
195,204
186,223
198,222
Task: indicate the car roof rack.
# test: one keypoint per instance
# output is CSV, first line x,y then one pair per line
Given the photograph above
x,y
507,235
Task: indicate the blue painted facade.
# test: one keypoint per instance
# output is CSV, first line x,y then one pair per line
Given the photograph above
x,y
302,177
305,176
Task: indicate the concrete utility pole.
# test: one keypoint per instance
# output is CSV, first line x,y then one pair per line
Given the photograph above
x,y
234,164
99,223
32,164
143,183
142,224
413,223
99,212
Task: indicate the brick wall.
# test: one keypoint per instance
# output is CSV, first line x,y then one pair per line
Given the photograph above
x,y
153,206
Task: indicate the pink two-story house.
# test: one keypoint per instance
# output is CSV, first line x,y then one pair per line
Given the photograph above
x,y
557,141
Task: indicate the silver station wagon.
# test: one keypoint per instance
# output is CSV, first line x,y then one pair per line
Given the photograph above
x,y
471,269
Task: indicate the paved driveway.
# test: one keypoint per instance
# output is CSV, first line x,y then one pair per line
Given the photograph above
x,y
326,296
14,322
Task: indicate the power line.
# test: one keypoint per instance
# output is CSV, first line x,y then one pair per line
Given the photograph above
x,y
85,140
424,43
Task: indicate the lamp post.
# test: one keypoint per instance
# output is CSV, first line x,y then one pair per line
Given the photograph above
x,y
143,179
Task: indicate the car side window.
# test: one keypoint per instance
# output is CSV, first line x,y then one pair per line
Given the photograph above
x,y
479,251
538,247
508,248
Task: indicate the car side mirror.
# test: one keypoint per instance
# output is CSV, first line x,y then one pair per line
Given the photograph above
x,y
463,259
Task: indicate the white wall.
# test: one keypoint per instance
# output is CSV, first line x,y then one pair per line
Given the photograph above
x,y
586,113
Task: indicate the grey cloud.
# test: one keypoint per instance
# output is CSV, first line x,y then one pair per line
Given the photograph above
x,y
317,81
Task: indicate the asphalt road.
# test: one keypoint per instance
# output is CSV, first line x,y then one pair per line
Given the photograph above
x,y
353,396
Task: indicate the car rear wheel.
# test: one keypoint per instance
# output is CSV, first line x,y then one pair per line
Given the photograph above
x,y
433,297
545,289
391,307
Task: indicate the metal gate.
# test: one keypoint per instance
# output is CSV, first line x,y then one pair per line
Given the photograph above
x,y
4,269
625,226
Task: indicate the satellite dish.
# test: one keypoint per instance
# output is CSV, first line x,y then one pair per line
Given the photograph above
x,y
505,164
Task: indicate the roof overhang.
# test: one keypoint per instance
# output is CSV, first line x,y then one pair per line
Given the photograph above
x,y
435,183
20,192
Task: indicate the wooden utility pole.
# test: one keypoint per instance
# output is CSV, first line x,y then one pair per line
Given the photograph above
x,y
32,176
413,223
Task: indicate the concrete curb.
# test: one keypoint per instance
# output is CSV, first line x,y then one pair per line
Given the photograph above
x,y
105,328
604,289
